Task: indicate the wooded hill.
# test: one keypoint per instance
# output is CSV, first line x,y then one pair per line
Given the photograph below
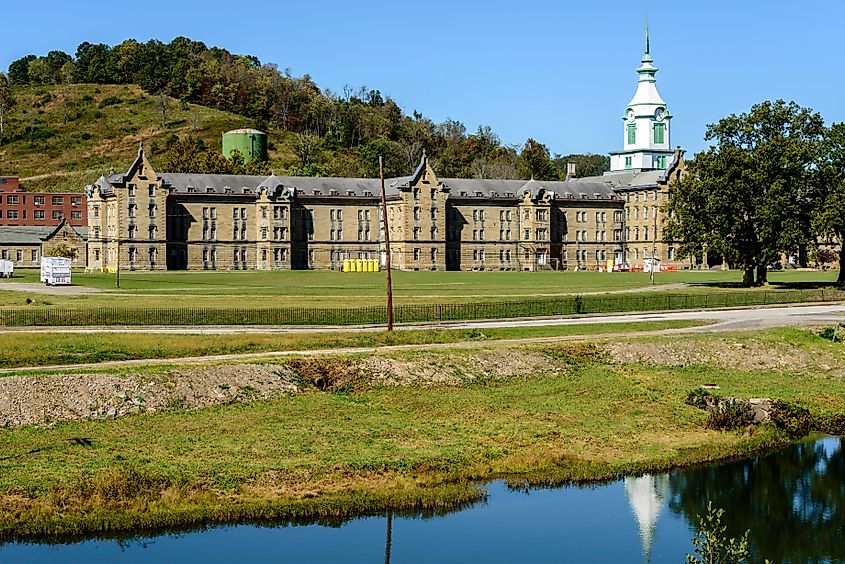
x,y
67,119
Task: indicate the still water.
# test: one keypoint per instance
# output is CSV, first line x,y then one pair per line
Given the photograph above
x,y
792,502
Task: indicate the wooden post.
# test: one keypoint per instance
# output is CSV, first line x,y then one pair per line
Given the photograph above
x,y
386,246
117,270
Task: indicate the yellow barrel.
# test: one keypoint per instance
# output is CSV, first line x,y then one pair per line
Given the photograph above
x,y
371,265
359,267
375,265
610,265
345,265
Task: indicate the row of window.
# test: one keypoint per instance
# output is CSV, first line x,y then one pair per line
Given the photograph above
x,y
659,162
636,196
152,254
658,129
130,190
133,210
152,231
33,255
637,234
14,199
39,214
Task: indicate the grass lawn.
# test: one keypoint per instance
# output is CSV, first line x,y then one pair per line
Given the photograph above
x,y
22,349
332,454
336,289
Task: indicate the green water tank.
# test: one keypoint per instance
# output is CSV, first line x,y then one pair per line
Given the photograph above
x,y
251,143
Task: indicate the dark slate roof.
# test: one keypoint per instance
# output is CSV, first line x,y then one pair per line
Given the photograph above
x,y
578,188
212,183
302,185
31,234
23,235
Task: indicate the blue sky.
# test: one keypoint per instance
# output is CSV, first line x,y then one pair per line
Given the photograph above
x,y
557,71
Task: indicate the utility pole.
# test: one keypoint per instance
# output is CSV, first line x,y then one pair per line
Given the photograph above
x,y
386,246
117,230
654,238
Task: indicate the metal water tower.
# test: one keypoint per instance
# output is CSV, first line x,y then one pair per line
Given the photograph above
x,y
251,143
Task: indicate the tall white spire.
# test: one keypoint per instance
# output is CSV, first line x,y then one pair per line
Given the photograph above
x,y
646,123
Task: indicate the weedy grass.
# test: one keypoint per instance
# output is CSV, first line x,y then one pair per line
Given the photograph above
x,y
23,349
331,454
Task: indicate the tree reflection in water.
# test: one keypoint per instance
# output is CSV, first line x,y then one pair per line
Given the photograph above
x,y
792,504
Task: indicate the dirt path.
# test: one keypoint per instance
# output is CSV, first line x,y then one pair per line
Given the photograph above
x,y
35,288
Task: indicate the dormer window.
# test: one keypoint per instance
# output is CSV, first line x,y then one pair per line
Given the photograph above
x,y
317,192
191,190
209,190
350,192
226,190
478,193
334,193
367,193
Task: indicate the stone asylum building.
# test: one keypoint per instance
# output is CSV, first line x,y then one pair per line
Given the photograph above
x,y
142,219
149,221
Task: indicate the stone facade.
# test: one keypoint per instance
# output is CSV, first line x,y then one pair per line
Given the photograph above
x,y
25,245
227,222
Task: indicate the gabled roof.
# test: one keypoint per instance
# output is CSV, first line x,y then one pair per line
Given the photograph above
x,y
81,231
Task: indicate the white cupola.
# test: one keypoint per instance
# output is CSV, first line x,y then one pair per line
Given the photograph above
x,y
645,124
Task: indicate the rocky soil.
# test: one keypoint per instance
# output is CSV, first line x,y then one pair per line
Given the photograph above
x,y
47,399
52,398
725,352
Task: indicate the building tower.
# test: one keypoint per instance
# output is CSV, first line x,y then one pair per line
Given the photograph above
x,y
645,125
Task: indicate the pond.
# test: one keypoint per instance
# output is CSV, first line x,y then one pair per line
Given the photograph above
x,y
791,501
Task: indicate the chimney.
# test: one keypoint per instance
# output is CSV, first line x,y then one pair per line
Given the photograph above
x,y
570,170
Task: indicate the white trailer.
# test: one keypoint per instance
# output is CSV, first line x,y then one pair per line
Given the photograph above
x,y
7,268
55,270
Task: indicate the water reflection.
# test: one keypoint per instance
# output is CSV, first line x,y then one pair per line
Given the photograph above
x,y
647,496
791,501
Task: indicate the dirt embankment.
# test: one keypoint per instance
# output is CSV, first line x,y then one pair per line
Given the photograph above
x,y
728,352
51,398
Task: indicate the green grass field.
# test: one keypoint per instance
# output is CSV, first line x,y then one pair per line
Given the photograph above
x,y
336,289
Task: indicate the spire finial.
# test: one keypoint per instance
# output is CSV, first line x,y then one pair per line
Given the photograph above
x,y
646,36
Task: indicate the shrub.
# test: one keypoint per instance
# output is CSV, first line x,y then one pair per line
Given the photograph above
x,y
699,398
712,545
109,101
793,419
835,334
730,414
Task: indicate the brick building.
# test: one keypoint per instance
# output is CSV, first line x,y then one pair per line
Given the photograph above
x,y
39,209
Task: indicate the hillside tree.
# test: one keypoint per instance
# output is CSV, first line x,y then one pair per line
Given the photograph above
x,y
7,101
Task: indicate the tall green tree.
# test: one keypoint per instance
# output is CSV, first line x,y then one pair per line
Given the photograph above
x,y
748,196
535,162
829,209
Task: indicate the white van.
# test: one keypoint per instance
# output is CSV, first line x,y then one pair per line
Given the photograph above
x,y
55,270
7,268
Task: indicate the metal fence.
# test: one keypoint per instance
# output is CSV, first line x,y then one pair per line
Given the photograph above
x,y
412,313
